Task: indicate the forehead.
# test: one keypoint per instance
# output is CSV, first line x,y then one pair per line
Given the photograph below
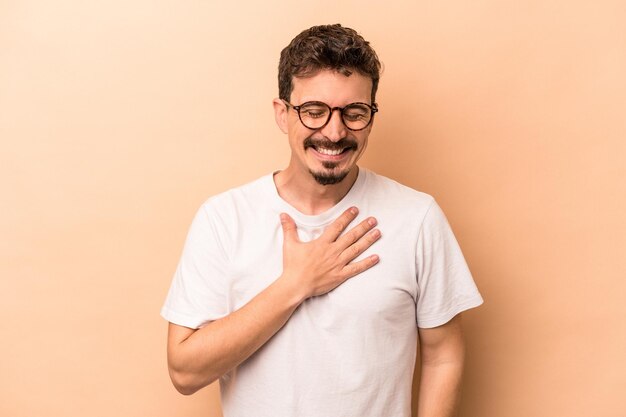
x,y
332,88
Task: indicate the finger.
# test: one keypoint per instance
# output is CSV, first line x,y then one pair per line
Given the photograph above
x,y
356,233
337,227
290,230
360,246
356,268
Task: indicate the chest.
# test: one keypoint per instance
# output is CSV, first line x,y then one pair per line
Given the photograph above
x,y
384,293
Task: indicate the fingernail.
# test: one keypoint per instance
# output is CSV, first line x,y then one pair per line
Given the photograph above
x,y
354,210
372,221
283,217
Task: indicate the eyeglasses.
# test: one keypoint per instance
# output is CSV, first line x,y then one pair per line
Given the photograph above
x,y
315,114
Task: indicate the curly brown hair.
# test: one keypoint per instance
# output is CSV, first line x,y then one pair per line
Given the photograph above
x,y
331,47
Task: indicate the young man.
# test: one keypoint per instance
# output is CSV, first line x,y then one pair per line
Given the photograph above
x,y
304,291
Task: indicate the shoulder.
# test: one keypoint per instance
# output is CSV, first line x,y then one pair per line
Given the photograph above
x,y
222,216
225,210
379,187
252,192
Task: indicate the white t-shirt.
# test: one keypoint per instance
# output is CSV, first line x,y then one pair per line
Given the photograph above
x,y
347,353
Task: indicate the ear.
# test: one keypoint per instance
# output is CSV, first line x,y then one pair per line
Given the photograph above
x,y
280,114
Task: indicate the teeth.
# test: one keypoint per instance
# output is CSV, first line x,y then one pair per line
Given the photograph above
x,y
326,151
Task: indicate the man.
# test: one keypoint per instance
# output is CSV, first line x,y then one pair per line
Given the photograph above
x,y
303,292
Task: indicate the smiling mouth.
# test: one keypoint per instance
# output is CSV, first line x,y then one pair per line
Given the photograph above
x,y
331,152
330,148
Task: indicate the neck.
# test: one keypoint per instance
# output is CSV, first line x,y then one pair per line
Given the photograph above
x,y
309,197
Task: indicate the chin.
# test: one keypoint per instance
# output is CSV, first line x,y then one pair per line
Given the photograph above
x,y
330,176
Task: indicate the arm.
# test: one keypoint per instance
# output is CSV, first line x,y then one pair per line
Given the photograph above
x,y
198,357
442,355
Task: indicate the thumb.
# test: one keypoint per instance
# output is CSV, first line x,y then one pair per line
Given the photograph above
x,y
289,228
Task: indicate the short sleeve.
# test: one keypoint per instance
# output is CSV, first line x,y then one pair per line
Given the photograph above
x,y
197,294
445,284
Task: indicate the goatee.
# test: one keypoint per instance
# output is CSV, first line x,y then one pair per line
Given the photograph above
x,y
330,177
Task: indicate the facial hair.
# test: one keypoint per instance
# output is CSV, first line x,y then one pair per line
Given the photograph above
x,y
329,176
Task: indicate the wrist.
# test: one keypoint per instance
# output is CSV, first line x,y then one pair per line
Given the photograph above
x,y
294,291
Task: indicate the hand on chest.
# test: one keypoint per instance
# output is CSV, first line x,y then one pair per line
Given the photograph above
x,y
383,292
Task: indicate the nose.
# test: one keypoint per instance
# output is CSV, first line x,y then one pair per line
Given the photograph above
x,y
335,130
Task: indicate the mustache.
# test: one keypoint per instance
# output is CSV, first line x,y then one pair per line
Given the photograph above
x,y
329,144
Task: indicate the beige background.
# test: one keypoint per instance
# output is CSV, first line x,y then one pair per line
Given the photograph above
x,y
118,119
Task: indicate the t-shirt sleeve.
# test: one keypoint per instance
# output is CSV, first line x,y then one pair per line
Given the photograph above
x,y
445,284
197,294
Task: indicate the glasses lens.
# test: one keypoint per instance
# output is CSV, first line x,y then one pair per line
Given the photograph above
x,y
314,115
357,116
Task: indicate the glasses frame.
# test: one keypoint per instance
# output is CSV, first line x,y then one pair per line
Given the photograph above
x,y
373,108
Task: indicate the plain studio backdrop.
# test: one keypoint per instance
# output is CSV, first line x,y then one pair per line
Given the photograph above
x,y
118,119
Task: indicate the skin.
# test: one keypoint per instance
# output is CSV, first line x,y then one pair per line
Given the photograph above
x,y
295,184
442,354
197,357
